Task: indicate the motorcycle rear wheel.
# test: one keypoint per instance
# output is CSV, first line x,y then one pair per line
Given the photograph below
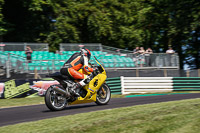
x,y
54,100
103,95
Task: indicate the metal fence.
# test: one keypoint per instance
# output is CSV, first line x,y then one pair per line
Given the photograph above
x,y
110,57
20,65
22,46
17,63
156,60
11,62
113,50
78,46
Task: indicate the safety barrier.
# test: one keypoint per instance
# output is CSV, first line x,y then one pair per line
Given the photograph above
x,y
146,84
114,84
186,83
159,84
118,85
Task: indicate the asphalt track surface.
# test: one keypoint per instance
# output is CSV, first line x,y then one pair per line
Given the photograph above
x,y
16,115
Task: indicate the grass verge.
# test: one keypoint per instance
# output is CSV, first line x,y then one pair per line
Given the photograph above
x,y
21,101
167,117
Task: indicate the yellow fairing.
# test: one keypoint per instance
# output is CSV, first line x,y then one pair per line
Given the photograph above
x,y
104,72
91,88
96,83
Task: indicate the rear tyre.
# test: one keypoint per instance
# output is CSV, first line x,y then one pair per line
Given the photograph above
x,y
54,100
103,95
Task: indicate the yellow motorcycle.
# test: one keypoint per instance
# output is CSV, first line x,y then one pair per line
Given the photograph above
x,y
58,96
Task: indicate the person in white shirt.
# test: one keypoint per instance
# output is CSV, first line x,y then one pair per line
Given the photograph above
x,y
170,58
170,51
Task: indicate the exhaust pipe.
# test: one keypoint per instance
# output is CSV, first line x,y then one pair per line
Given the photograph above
x,y
59,90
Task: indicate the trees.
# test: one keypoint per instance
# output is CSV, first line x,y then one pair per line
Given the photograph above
x,y
181,29
175,24
119,23
3,30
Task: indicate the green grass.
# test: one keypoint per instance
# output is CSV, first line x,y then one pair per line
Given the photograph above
x,y
21,101
117,96
167,117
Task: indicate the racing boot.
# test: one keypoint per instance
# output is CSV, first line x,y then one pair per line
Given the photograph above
x,y
74,88
80,85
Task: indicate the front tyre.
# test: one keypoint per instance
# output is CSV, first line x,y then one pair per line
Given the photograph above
x,y
103,95
54,100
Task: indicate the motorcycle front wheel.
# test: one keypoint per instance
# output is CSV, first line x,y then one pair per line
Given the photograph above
x,y
103,95
54,100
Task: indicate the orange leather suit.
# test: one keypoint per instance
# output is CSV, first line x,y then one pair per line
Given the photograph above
x,y
75,63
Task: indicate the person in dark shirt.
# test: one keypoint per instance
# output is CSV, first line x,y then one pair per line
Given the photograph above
x,y
136,50
28,53
148,53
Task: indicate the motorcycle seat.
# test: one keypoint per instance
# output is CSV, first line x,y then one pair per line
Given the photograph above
x,y
59,75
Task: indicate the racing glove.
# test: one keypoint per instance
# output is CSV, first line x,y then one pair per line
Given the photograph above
x,y
88,69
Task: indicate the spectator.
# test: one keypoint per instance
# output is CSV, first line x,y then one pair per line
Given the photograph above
x,y
147,57
58,52
141,56
170,53
135,51
28,53
118,51
135,55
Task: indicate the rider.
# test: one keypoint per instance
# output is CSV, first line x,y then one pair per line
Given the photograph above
x,y
75,63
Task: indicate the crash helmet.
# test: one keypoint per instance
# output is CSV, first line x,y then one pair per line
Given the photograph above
x,y
86,52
